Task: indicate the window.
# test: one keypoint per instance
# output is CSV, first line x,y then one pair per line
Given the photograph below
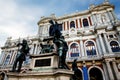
x,y
90,48
72,24
74,50
115,46
60,27
27,61
85,22
7,60
111,36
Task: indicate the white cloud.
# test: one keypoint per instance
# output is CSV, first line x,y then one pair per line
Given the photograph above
x,y
17,21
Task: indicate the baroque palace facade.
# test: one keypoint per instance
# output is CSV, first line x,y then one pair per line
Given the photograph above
x,y
93,38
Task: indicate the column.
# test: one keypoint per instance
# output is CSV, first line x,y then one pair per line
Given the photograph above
x,y
66,28
78,21
118,35
11,58
38,49
102,44
82,48
110,16
116,70
105,71
107,43
32,48
114,16
14,56
92,19
2,57
98,46
35,48
111,77
95,20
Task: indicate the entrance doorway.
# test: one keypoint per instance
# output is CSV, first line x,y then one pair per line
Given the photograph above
x,y
2,75
95,74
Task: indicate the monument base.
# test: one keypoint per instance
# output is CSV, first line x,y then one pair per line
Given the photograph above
x,y
42,67
58,74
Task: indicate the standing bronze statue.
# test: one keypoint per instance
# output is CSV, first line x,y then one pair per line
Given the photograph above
x,y
21,56
77,72
59,41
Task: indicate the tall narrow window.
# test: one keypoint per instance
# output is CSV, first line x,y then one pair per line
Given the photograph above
x,y
115,46
72,24
90,48
27,61
7,60
85,22
74,50
60,27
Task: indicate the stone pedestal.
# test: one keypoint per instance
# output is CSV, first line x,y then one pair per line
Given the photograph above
x,y
44,62
43,67
58,74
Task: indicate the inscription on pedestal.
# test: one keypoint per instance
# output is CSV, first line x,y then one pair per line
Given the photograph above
x,y
42,62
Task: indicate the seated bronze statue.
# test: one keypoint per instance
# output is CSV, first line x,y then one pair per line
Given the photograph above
x,y
47,48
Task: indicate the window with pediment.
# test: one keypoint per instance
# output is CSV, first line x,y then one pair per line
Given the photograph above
x,y
115,46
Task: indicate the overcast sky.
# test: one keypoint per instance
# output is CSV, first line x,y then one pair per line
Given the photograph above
x,y
18,18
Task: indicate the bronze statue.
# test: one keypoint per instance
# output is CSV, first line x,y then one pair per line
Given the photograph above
x,y
21,56
77,72
47,48
54,29
61,44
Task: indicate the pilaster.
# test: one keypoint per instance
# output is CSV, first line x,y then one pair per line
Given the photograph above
x,y
107,43
111,77
98,46
35,49
105,71
116,70
102,44
82,48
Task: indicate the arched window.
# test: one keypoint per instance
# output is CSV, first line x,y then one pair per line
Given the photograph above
x,y
90,48
115,46
85,22
72,24
74,50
